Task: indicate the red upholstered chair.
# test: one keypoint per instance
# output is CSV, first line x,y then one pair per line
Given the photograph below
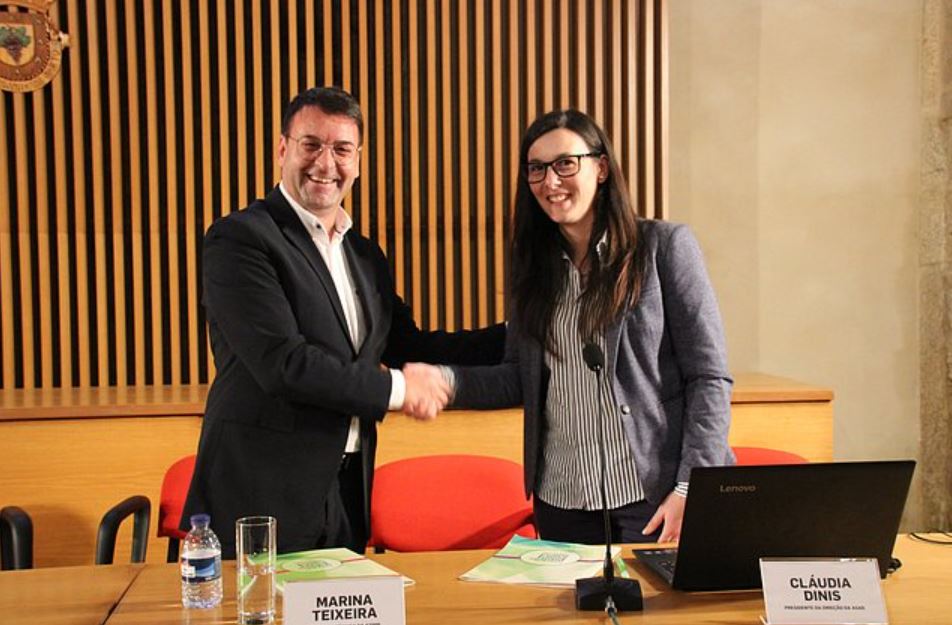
x,y
436,503
764,455
172,501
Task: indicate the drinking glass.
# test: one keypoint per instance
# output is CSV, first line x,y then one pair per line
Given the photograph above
x,y
255,537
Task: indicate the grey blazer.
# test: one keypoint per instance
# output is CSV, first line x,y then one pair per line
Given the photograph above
x,y
666,358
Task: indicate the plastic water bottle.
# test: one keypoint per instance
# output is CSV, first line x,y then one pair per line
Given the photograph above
x,y
201,565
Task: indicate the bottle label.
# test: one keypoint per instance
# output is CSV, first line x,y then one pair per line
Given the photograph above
x,y
200,568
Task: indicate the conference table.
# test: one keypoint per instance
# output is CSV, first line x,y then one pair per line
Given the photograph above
x,y
74,595
920,593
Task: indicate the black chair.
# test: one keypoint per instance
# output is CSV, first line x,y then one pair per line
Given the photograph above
x,y
141,508
16,539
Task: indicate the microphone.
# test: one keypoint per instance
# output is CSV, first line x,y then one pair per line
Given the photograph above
x,y
594,357
605,593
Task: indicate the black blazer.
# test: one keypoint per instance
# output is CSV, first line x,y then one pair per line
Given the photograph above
x,y
288,378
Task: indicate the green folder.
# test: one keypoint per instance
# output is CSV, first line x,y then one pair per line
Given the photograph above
x,y
540,563
318,564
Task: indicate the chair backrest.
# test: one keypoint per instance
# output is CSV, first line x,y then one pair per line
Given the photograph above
x,y
16,539
141,508
433,503
762,455
172,500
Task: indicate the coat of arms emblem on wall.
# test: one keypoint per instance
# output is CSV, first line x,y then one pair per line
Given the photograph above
x,y
31,46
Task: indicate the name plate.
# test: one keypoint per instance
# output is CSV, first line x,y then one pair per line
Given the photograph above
x,y
828,591
345,601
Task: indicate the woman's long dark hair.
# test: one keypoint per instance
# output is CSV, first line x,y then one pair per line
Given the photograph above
x,y
538,269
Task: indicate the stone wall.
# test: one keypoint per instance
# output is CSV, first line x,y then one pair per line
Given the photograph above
x,y
935,267
797,158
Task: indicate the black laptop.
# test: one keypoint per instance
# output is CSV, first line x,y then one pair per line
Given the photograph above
x,y
736,515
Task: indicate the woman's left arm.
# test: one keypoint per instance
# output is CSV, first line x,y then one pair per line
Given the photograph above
x,y
697,335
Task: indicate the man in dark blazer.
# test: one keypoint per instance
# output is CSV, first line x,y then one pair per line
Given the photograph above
x,y
304,323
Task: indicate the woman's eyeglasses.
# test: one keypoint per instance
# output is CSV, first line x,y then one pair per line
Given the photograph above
x,y
564,167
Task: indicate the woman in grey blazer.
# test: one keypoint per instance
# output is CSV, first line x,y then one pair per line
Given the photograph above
x,y
586,270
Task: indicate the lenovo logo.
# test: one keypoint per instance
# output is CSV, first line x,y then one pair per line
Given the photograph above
x,y
739,488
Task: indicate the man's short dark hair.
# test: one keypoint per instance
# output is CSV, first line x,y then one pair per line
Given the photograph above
x,y
331,100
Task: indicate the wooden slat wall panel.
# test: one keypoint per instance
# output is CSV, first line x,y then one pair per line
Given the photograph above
x,y
61,295
166,114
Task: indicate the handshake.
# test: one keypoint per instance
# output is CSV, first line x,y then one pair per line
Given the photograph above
x,y
427,391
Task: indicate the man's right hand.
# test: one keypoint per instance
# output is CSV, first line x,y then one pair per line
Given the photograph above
x,y
427,391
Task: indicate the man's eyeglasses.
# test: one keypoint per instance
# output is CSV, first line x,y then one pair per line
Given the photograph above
x,y
564,167
309,148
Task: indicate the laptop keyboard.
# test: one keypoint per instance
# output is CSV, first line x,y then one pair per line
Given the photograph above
x,y
661,561
667,565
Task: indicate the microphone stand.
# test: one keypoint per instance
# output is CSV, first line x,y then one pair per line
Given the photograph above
x,y
605,593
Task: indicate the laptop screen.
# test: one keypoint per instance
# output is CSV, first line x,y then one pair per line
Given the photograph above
x,y
736,515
